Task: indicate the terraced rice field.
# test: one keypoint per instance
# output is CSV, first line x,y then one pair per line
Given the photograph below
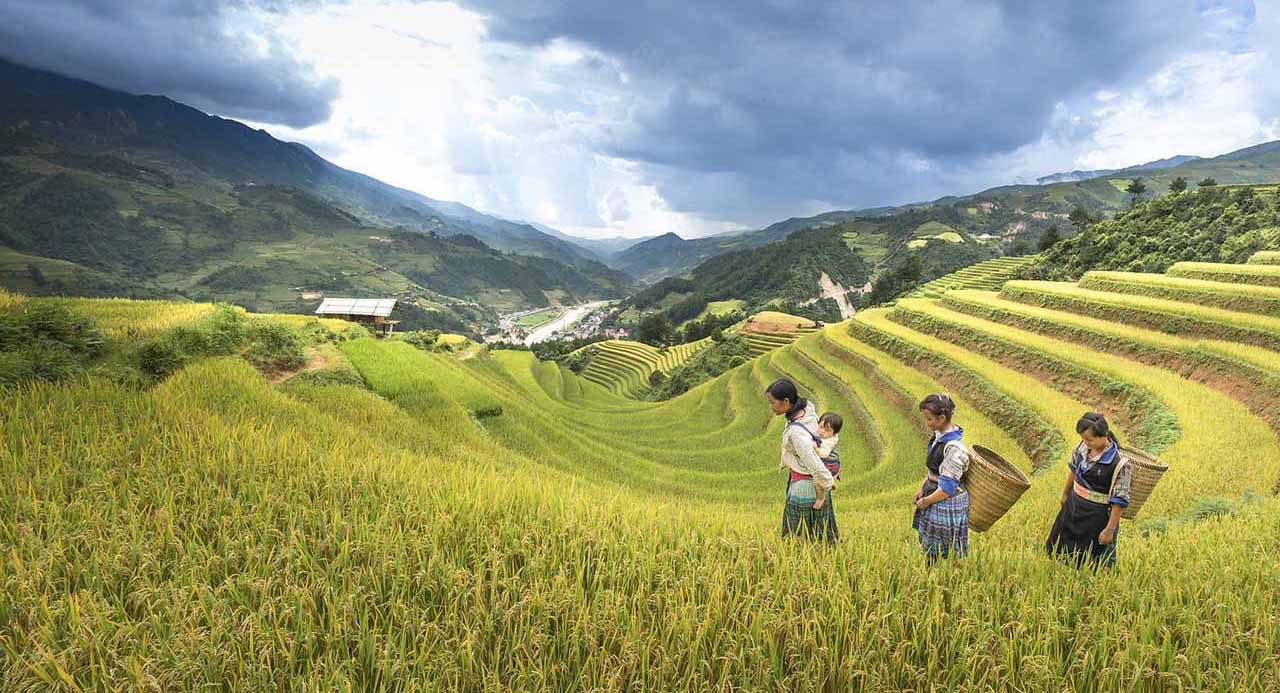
x,y
1265,257
988,275
1245,297
771,330
1255,274
123,318
623,367
500,523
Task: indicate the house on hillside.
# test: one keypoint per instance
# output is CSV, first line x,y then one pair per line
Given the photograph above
x,y
374,313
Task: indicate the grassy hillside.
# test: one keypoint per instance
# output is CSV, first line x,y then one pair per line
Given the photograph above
x,y
166,141
85,233
1218,223
216,530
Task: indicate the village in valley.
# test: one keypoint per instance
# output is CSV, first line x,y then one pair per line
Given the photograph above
x,y
558,323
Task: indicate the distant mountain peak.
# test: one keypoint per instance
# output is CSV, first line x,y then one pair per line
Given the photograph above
x,y
1077,175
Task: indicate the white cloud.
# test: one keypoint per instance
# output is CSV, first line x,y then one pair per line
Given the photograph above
x,y
1202,104
430,102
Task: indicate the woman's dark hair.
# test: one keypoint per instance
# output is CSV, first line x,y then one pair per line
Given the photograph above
x,y
783,388
939,404
832,421
1096,424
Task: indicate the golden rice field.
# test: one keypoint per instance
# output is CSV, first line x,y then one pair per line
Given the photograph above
x,y
9,300
332,324
216,531
988,274
623,367
129,319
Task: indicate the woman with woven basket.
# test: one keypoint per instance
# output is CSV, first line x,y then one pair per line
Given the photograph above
x,y
1096,494
942,506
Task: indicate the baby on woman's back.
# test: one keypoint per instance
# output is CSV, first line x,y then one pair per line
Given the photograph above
x,y
829,425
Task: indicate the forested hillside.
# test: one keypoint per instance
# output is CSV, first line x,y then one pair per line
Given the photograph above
x,y
908,245
1211,224
785,270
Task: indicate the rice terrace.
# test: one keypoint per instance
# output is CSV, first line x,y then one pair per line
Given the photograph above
x,y
269,423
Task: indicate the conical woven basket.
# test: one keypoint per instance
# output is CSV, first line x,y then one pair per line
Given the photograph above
x,y
994,485
1147,470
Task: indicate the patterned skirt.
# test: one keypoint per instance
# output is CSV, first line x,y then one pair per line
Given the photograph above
x,y
799,519
943,528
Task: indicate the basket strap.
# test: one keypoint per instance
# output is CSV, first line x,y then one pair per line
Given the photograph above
x,y
1121,462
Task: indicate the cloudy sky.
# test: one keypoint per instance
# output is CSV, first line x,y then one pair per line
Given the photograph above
x,y
612,118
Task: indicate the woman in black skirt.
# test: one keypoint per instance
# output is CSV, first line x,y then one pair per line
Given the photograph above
x,y
1097,491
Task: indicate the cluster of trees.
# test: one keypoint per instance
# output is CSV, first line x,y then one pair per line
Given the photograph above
x,y
554,350
896,281
1137,189
728,351
1180,185
1211,224
708,326
427,340
655,330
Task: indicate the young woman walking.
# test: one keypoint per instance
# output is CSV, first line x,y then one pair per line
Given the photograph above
x,y
1097,491
942,506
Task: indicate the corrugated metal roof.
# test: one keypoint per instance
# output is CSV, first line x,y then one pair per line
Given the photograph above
x,y
357,306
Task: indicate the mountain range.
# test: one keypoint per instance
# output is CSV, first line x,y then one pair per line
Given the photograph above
x,y
145,196
1071,176
944,234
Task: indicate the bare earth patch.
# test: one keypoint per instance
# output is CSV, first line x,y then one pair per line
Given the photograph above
x,y
315,361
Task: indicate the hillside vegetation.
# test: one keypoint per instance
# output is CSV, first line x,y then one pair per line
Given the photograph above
x,y
1214,224
500,522
786,271
953,232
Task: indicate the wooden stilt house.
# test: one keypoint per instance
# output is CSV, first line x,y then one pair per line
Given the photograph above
x,y
374,313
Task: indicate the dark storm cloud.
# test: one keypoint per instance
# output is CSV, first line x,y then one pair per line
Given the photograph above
x,y
853,103
189,50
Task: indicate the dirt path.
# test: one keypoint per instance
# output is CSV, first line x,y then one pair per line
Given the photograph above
x,y
315,361
838,293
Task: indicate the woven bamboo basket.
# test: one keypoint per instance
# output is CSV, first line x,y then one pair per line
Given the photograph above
x,y
1147,470
994,485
